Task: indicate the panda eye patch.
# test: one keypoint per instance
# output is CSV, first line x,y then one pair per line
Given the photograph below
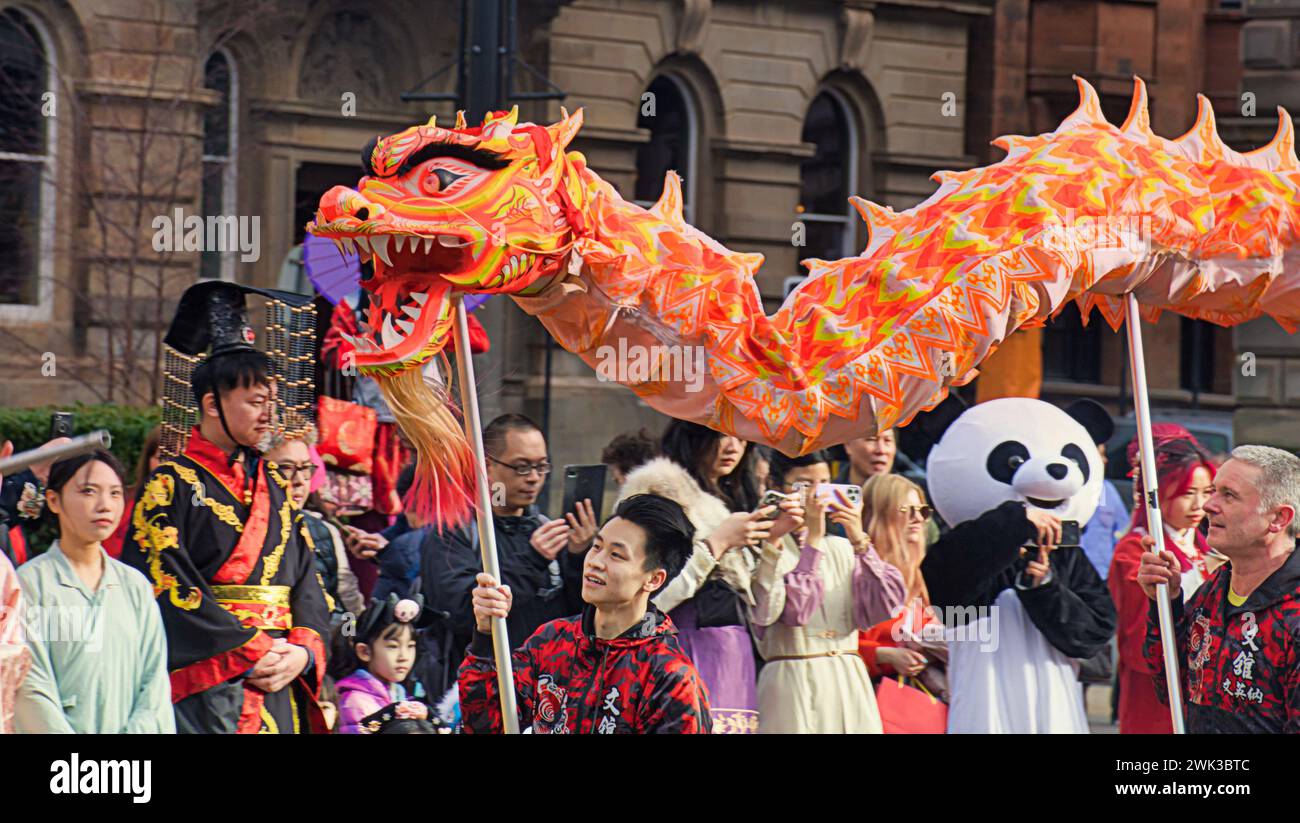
x,y
1073,452
1005,459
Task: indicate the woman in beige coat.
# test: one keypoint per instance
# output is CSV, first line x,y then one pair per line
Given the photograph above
x,y
812,594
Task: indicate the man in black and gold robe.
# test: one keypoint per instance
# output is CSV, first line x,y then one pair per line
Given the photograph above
x,y
242,605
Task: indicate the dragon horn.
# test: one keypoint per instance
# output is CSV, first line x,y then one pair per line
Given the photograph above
x,y
562,133
460,119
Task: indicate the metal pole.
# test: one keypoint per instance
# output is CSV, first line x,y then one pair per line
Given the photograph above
x,y
487,537
1142,408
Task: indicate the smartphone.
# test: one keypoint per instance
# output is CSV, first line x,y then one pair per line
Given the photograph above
x,y
584,483
1070,533
826,492
60,424
771,497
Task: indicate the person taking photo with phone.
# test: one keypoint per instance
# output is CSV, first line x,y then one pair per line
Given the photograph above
x,y
813,593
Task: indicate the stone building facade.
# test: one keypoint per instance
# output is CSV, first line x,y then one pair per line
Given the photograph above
x,y
243,109
772,111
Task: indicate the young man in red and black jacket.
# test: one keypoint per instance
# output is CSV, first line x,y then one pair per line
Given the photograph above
x,y
616,668
1238,636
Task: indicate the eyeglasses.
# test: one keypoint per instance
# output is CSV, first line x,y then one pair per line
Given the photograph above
x,y
292,470
910,511
524,469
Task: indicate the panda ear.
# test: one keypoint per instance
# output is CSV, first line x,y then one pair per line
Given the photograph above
x,y
1092,416
932,424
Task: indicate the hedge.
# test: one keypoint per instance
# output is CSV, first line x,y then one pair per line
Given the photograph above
x,y
128,425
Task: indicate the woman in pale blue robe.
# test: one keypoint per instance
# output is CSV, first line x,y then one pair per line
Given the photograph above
x,y
99,657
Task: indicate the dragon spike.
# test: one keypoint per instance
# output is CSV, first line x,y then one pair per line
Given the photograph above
x,y
669,207
1138,122
460,119
1201,142
1279,153
1013,144
1089,111
433,121
873,214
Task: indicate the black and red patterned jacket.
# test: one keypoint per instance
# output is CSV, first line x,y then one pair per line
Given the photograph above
x,y
1240,665
569,681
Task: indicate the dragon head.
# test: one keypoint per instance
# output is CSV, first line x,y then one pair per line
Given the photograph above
x,y
489,209
484,209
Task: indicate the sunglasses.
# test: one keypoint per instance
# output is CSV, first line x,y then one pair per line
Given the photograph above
x,y
912,511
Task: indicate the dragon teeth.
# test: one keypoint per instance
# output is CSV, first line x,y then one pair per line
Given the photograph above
x,y
349,245
451,241
428,244
406,326
338,243
411,311
363,243
419,297
399,241
389,335
380,243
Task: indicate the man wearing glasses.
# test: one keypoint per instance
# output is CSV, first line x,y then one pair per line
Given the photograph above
x,y
541,560
292,459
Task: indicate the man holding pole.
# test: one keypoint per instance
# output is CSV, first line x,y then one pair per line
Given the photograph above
x,y
1236,636
617,667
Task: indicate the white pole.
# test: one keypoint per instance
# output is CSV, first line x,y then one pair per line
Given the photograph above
x,y
487,537
1142,407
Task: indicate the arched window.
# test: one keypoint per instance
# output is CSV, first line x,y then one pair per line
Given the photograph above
x,y
28,111
827,179
220,156
668,113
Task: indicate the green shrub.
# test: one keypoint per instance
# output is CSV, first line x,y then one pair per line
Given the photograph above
x,y
128,425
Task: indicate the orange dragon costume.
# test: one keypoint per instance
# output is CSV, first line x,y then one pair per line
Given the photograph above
x,y
1088,212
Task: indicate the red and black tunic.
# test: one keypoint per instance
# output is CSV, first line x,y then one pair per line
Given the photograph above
x,y
569,681
230,577
1240,665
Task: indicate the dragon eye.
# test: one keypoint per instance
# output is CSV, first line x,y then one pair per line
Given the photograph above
x,y
445,178
1015,461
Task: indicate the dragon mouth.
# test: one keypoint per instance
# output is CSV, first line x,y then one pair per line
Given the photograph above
x,y
414,276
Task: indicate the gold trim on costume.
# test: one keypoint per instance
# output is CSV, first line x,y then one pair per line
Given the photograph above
x,y
272,595
226,514
269,725
272,563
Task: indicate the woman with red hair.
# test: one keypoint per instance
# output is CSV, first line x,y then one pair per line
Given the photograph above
x,y
1185,477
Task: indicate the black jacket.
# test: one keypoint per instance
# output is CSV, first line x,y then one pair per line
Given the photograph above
x,y
974,562
542,592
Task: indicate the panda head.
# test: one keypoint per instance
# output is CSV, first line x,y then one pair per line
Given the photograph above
x,y
1015,449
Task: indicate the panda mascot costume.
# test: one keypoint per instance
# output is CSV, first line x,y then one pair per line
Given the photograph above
x,y
1015,635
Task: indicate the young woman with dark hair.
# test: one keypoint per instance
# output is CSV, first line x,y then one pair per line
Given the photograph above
x,y
106,673
709,475
149,460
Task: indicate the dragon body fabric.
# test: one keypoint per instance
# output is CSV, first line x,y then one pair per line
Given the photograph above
x,y
1088,212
